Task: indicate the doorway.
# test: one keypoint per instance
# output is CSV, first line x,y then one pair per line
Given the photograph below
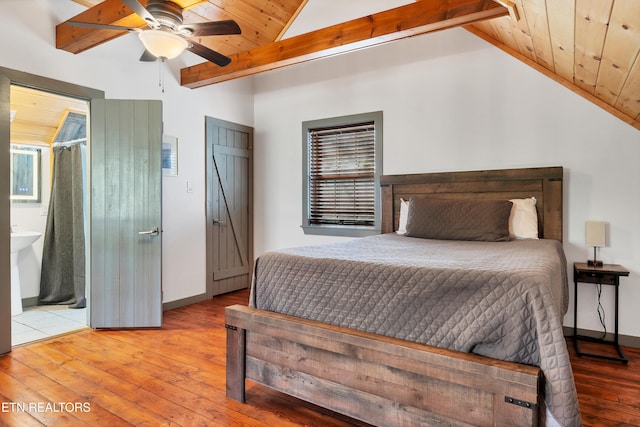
x,y
126,141
51,130
8,79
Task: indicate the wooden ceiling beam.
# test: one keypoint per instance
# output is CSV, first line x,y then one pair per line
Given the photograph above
x,y
110,12
406,21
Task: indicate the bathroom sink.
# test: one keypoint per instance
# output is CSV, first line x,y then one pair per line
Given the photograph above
x,y
23,239
19,240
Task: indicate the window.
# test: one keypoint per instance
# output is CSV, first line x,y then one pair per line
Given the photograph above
x,y
342,163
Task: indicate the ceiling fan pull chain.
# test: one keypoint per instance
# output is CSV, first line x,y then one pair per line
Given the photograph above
x,y
161,74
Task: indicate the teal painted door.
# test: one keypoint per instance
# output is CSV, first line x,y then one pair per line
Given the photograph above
x,y
126,214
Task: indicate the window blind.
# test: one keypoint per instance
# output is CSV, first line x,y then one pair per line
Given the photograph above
x,y
342,175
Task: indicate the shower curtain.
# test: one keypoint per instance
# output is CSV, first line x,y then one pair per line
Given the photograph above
x,y
63,258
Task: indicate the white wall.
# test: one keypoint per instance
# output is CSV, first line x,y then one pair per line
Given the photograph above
x,y
453,102
29,26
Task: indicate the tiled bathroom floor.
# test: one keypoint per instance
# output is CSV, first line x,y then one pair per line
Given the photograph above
x,y
36,323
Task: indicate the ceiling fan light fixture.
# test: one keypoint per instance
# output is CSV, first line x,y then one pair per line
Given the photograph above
x,y
163,44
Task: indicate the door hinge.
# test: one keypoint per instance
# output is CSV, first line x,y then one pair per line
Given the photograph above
x,y
233,328
522,403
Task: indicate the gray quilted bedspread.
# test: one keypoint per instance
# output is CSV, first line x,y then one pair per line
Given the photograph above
x,y
504,300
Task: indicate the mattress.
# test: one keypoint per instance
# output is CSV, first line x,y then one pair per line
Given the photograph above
x,y
504,300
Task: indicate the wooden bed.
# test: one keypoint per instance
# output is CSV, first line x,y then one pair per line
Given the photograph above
x,y
386,381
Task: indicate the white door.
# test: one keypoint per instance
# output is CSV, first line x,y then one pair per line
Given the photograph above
x,y
125,214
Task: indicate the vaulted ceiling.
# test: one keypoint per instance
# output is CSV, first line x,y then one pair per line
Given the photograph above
x,y
590,46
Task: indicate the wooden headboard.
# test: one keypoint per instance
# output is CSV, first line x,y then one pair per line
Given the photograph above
x,y
545,184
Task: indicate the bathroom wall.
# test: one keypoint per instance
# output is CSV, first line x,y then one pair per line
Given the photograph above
x,y
33,217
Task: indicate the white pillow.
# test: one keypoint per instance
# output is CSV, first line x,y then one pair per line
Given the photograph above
x,y
404,213
523,221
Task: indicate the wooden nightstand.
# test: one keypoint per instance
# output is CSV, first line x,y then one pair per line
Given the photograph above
x,y
608,274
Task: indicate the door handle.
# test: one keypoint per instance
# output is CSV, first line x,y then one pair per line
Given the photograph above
x,y
217,221
153,232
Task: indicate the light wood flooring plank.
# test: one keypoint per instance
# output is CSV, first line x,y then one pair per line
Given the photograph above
x,y
175,376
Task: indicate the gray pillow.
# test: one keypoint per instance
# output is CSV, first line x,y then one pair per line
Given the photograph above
x,y
459,219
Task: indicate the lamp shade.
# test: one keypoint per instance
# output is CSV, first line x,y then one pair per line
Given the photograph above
x,y
595,234
163,44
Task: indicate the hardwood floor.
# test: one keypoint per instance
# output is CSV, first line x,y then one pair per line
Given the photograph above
x,y
608,392
176,376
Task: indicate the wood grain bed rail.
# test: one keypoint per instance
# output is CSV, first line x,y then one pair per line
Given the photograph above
x,y
380,380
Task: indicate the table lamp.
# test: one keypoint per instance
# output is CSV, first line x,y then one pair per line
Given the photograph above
x,y
595,236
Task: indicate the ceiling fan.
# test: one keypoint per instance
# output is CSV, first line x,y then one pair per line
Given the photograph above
x,y
167,37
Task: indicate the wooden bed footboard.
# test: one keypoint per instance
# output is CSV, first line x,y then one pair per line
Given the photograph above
x,y
376,379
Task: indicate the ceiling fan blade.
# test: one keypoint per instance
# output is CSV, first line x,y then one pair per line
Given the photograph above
x,y
147,56
216,28
142,12
208,54
101,26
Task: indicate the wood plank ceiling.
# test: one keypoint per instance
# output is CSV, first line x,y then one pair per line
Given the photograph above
x,y
590,46
37,116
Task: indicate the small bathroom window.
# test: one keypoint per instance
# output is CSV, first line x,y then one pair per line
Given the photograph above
x,y
25,174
